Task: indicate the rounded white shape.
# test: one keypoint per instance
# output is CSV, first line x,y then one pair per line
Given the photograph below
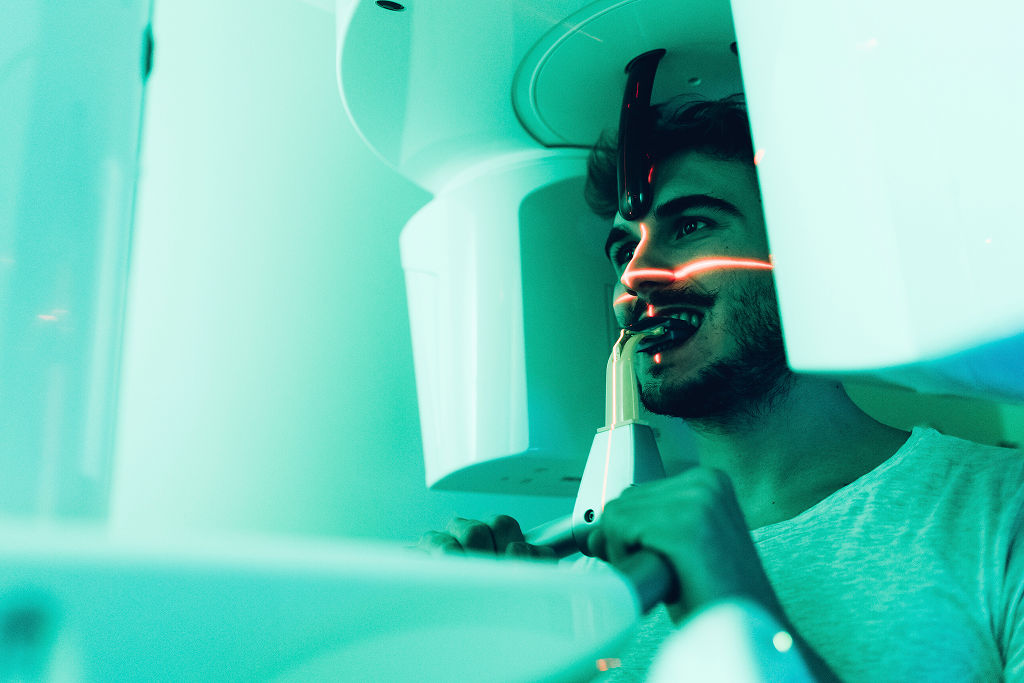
x,y
782,641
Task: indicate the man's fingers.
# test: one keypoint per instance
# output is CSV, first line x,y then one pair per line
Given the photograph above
x,y
597,544
505,530
543,552
472,534
518,550
617,534
437,543
525,551
501,535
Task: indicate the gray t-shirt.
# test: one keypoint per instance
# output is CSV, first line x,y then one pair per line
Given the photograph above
x,y
911,573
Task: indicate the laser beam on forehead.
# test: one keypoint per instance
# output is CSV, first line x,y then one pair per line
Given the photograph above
x,y
689,270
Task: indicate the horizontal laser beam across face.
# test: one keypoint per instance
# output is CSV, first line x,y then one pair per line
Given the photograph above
x,y
683,272
631,277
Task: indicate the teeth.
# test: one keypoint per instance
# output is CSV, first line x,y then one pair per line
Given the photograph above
x,y
692,318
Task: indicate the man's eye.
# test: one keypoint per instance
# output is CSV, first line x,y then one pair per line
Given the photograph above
x,y
687,225
623,254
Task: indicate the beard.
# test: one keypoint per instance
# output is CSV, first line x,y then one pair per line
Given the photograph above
x,y
738,389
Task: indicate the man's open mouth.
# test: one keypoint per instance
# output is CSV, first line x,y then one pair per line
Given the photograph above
x,y
667,330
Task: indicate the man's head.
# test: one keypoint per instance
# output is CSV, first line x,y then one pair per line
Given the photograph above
x,y
706,204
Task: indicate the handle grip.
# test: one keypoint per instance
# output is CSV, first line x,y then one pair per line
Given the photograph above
x,y
556,534
651,574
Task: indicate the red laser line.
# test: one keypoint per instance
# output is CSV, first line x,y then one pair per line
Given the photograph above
x,y
639,245
611,426
690,269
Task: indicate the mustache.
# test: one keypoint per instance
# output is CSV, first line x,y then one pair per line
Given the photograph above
x,y
682,296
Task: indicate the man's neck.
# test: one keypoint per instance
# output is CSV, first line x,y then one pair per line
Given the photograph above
x,y
811,442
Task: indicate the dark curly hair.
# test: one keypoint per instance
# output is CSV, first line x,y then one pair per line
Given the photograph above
x,y
718,128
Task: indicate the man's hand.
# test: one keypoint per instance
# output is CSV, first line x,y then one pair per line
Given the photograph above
x,y
695,522
500,535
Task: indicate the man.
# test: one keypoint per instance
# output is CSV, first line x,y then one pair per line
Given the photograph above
x,y
891,556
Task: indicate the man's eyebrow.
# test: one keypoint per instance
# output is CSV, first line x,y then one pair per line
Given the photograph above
x,y
695,201
614,235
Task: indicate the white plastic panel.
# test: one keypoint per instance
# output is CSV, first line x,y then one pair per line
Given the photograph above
x,y
71,84
890,174
732,641
484,392
428,88
92,610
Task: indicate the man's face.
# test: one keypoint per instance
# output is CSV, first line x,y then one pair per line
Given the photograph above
x,y
734,365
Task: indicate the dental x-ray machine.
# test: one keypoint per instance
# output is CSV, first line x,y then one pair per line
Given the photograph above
x,y
896,247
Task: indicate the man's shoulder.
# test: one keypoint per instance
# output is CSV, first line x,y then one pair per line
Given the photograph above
x,y
931,454
932,476
938,474
931,439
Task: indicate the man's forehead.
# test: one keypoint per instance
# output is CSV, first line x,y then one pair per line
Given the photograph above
x,y
696,174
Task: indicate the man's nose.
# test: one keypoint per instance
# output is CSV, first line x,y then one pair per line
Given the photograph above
x,y
643,280
648,269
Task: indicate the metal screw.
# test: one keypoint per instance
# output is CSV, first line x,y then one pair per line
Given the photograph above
x,y
588,516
